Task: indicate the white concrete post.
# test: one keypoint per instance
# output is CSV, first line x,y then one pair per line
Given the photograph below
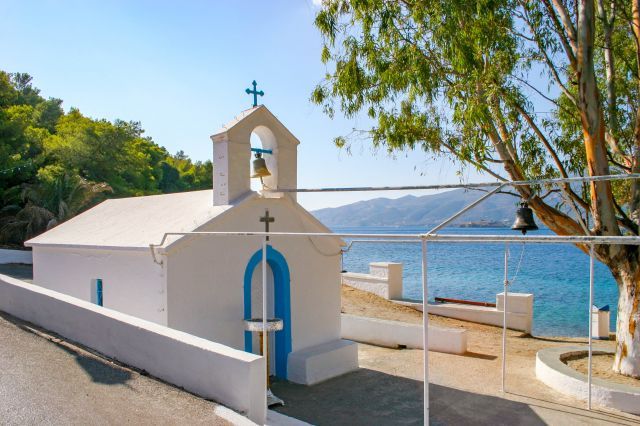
x,y
425,330
504,314
264,309
590,317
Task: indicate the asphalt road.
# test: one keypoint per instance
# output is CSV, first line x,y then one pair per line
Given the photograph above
x,y
45,380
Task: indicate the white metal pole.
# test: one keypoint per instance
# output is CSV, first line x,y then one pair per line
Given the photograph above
x,y
504,314
425,330
265,335
590,317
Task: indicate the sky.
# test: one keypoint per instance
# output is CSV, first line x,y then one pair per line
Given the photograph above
x,y
181,68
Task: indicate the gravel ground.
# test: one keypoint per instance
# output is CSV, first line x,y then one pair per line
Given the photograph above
x,y
601,368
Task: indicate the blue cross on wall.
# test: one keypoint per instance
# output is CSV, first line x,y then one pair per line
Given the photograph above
x,y
255,93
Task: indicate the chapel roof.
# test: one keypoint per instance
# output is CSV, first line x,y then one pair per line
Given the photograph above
x,y
134,222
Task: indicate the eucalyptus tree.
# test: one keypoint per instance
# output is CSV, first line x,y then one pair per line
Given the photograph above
x,y
517,89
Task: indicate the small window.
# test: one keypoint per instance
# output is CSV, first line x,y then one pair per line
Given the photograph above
x,y
97,292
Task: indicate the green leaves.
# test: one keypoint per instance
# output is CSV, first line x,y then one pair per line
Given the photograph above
x,y
486,82
54,165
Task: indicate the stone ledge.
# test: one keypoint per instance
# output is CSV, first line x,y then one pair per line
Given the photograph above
x,y
396,333
551,371
322,362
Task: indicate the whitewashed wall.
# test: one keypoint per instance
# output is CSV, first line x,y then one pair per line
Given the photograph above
x,y
214,371
384,279
206,276
132,282
395,333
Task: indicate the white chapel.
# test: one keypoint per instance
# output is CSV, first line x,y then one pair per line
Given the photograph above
x,y
118,254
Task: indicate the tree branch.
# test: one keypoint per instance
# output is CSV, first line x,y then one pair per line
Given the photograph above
x,y
550,65
593,127
565,30
609,66
475,163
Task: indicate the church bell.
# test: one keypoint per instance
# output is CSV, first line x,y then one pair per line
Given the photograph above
x,y
524,219
260,167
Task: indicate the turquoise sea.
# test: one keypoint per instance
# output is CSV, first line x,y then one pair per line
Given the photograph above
x,y
556,274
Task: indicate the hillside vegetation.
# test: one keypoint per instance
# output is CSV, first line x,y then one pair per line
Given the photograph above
x,y
56,164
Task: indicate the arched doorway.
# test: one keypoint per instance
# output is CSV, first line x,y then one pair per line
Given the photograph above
x,y
282,305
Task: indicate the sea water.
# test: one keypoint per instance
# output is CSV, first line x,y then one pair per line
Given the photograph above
x,y
556,274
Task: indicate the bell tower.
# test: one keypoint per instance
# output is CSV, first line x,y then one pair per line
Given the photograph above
x,y
232,156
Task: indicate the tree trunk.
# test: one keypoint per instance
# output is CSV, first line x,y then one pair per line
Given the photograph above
x,y
627,275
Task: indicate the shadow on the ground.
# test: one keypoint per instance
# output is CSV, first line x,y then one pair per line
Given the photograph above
x,y
368,397
480,355
571,340
100,371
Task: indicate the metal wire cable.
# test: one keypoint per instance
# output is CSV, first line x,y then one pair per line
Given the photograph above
x,y
511,282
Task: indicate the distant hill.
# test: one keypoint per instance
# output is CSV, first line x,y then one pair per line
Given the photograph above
x,y
498,210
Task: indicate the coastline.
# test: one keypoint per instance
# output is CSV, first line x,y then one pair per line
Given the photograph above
x,y
484,347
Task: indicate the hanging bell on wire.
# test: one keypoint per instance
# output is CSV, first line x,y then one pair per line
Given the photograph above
x,y
524,219
260,167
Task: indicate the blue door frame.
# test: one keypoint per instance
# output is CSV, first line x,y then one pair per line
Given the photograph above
x,y
282,302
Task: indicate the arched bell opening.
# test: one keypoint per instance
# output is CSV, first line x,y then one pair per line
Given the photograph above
x,y
262,137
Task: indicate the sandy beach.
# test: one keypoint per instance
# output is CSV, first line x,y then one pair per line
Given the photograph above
x,y
479,369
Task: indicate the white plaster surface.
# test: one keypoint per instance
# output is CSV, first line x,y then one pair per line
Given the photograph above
x,y
600,321
519,303
212,370
15,256
556,374
232,154
519,317
207,297
135,222
384,279
199,287
395,333
322,362
131,282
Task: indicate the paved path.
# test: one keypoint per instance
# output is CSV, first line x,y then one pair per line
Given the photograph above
x,y
44,380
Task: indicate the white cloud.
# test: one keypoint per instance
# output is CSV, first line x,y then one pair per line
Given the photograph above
x,y
317,3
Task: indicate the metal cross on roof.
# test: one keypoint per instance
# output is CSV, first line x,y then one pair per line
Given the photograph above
x,y
255,93
267,220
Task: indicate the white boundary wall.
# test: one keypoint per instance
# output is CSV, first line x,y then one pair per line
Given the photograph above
x,y
395,333
16,256
384,279
519,317
551,371
211,370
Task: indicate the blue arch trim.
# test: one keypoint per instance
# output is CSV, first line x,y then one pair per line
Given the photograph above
x,y
282,301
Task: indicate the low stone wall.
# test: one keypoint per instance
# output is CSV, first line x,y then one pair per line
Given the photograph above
x,y
551,371
211,370
16,256
384,279
319,363
396,333
519,315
